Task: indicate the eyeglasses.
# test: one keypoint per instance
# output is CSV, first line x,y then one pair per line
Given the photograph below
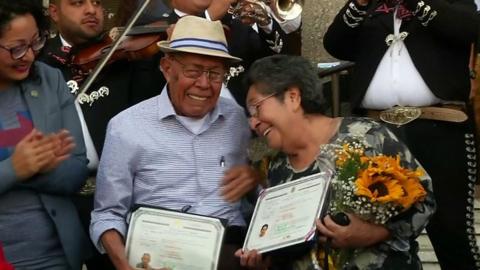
x,y
19,51
253,108
193,72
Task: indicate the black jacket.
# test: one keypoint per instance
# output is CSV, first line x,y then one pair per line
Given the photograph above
x,y
439,49
128,83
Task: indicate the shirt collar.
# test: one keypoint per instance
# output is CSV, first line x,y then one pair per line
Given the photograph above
x,y
64,42
181,14
165,107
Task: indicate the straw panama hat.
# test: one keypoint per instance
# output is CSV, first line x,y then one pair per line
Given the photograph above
x,y
198,36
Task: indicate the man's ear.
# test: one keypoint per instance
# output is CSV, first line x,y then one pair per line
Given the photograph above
x,y
53,12
166,68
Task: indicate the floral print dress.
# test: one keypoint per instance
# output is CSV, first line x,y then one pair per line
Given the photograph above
x,y
400,251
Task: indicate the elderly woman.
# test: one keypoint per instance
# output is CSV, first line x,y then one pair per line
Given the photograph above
x,y
42,155
287,107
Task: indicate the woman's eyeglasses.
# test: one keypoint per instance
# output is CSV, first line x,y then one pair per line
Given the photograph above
x,y
253,108
19,51
193,72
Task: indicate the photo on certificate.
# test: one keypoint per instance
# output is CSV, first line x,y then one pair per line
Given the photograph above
x,y
161,239
285,215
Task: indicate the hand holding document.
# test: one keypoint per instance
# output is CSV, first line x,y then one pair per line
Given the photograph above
x,y
285,215
164,239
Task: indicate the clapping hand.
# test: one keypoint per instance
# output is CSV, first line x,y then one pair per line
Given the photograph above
x,y
63,144
37,152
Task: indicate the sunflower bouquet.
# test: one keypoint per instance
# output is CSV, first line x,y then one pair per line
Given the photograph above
x,y
374,188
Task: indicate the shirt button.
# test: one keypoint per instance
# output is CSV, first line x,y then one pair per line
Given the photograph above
x,y
53,212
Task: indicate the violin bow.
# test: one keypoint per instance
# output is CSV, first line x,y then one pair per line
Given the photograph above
x,y
91,78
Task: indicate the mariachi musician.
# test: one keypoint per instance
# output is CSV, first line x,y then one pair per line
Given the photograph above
x,y
118,86
257,30
254,29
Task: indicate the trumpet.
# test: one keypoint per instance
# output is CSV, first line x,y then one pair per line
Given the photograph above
x,y
258,10
288,9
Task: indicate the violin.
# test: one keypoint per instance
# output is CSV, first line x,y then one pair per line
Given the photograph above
x,y
139,43
106,54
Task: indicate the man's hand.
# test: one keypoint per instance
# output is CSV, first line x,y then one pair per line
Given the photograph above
x,y
218,8
363,2
358,233
63,144
254,13
238,181
170,31
113,243
31,154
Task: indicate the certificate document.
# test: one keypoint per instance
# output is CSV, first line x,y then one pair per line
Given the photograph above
x,y
285,214
173,240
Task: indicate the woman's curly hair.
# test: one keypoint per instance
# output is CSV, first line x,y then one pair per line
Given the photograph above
x,y
9,10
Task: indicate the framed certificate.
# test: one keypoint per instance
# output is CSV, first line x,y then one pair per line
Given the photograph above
x,y
285,214
165,239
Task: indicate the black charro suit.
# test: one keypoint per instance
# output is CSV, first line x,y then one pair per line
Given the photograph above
x,y
439,51
438,42
244,42
128,83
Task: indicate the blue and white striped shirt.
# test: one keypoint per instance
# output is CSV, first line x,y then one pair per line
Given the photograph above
x,y
151,158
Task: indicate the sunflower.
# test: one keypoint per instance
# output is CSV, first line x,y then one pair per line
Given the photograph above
x,y
413,192
378,187
375,188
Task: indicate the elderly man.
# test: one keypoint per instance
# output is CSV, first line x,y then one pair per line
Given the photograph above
x,y
177,150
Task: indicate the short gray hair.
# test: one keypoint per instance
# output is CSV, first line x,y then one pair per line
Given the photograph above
x,y
278,73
